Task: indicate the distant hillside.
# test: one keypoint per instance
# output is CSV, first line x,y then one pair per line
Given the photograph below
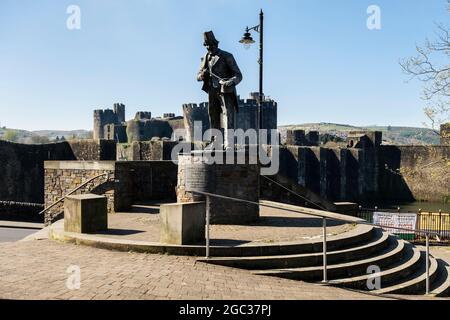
x,y
42,136
391,135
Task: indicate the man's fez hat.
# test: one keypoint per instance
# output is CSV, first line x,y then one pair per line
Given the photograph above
x,y
210,38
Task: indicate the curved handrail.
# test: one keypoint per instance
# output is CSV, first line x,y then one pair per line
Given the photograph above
x,y
317,213
74,190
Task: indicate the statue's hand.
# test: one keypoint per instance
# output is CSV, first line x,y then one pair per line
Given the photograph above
x,y
202,74
227,83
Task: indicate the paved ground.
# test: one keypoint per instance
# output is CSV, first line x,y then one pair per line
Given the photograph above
x,y
273,226
38,270
14,234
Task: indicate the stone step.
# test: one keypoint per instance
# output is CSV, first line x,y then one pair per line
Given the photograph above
x,y
415,284
395,251
360,234
379,242
407,266
441,285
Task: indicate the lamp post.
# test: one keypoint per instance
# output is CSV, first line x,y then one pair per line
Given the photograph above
x,y
247,40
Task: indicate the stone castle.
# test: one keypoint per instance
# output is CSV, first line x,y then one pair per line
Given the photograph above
x,y
246,117
110,124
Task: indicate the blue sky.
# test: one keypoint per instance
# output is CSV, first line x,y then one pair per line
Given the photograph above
x,y
322,64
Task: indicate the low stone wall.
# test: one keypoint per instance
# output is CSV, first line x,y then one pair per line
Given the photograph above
x,y
140,181
61,177
21,211
128,182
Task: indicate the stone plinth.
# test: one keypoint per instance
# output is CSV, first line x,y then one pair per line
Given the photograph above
x,y
234,180
182,223
85,213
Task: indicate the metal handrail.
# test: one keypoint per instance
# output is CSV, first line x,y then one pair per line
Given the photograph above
x,y
324,215
74,190
357,221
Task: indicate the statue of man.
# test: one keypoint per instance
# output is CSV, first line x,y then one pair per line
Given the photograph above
x,y
220,75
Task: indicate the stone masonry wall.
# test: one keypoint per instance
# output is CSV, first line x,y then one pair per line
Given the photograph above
x,y
384,173
61,177
140,181
415,172
240,181
90,150
22,169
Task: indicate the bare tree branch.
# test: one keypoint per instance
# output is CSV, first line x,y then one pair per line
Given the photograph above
x,y
431,66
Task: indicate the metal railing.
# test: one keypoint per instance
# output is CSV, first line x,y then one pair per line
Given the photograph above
x,y
324,215
74,190
438,222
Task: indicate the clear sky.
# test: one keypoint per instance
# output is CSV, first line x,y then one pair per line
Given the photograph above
x,y
322,63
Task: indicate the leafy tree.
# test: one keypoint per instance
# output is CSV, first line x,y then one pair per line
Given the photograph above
x,y
36,139
11,135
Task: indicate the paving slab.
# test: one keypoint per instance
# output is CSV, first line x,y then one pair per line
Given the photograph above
x,y
41,270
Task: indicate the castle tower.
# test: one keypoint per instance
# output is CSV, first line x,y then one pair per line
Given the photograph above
x,y
102,118
119,110
98,127
195,115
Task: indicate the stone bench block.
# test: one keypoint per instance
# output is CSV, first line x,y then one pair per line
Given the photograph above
x,y
86,213
183,223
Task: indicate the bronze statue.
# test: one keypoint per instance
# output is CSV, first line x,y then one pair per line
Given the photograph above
x,y
220,75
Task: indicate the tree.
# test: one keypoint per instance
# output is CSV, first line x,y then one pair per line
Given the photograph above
x,y
431,66
36,139
11,135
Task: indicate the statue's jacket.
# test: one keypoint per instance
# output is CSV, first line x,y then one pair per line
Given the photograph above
x,y
224,66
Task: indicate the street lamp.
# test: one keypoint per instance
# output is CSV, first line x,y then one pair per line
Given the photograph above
x,y
247,40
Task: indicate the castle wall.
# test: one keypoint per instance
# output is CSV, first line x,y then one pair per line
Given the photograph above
x,y
147,129
415,172
330,173
119,110
93,149
101,119
246,117
192,113
22,169
22,165
147,150
396,173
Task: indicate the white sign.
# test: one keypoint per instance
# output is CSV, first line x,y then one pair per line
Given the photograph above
x,y
398,220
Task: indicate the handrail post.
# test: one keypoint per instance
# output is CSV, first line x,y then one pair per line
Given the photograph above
x,y
427,264
324,245
208,207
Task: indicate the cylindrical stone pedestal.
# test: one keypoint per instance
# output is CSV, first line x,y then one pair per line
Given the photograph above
x,y
239,181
